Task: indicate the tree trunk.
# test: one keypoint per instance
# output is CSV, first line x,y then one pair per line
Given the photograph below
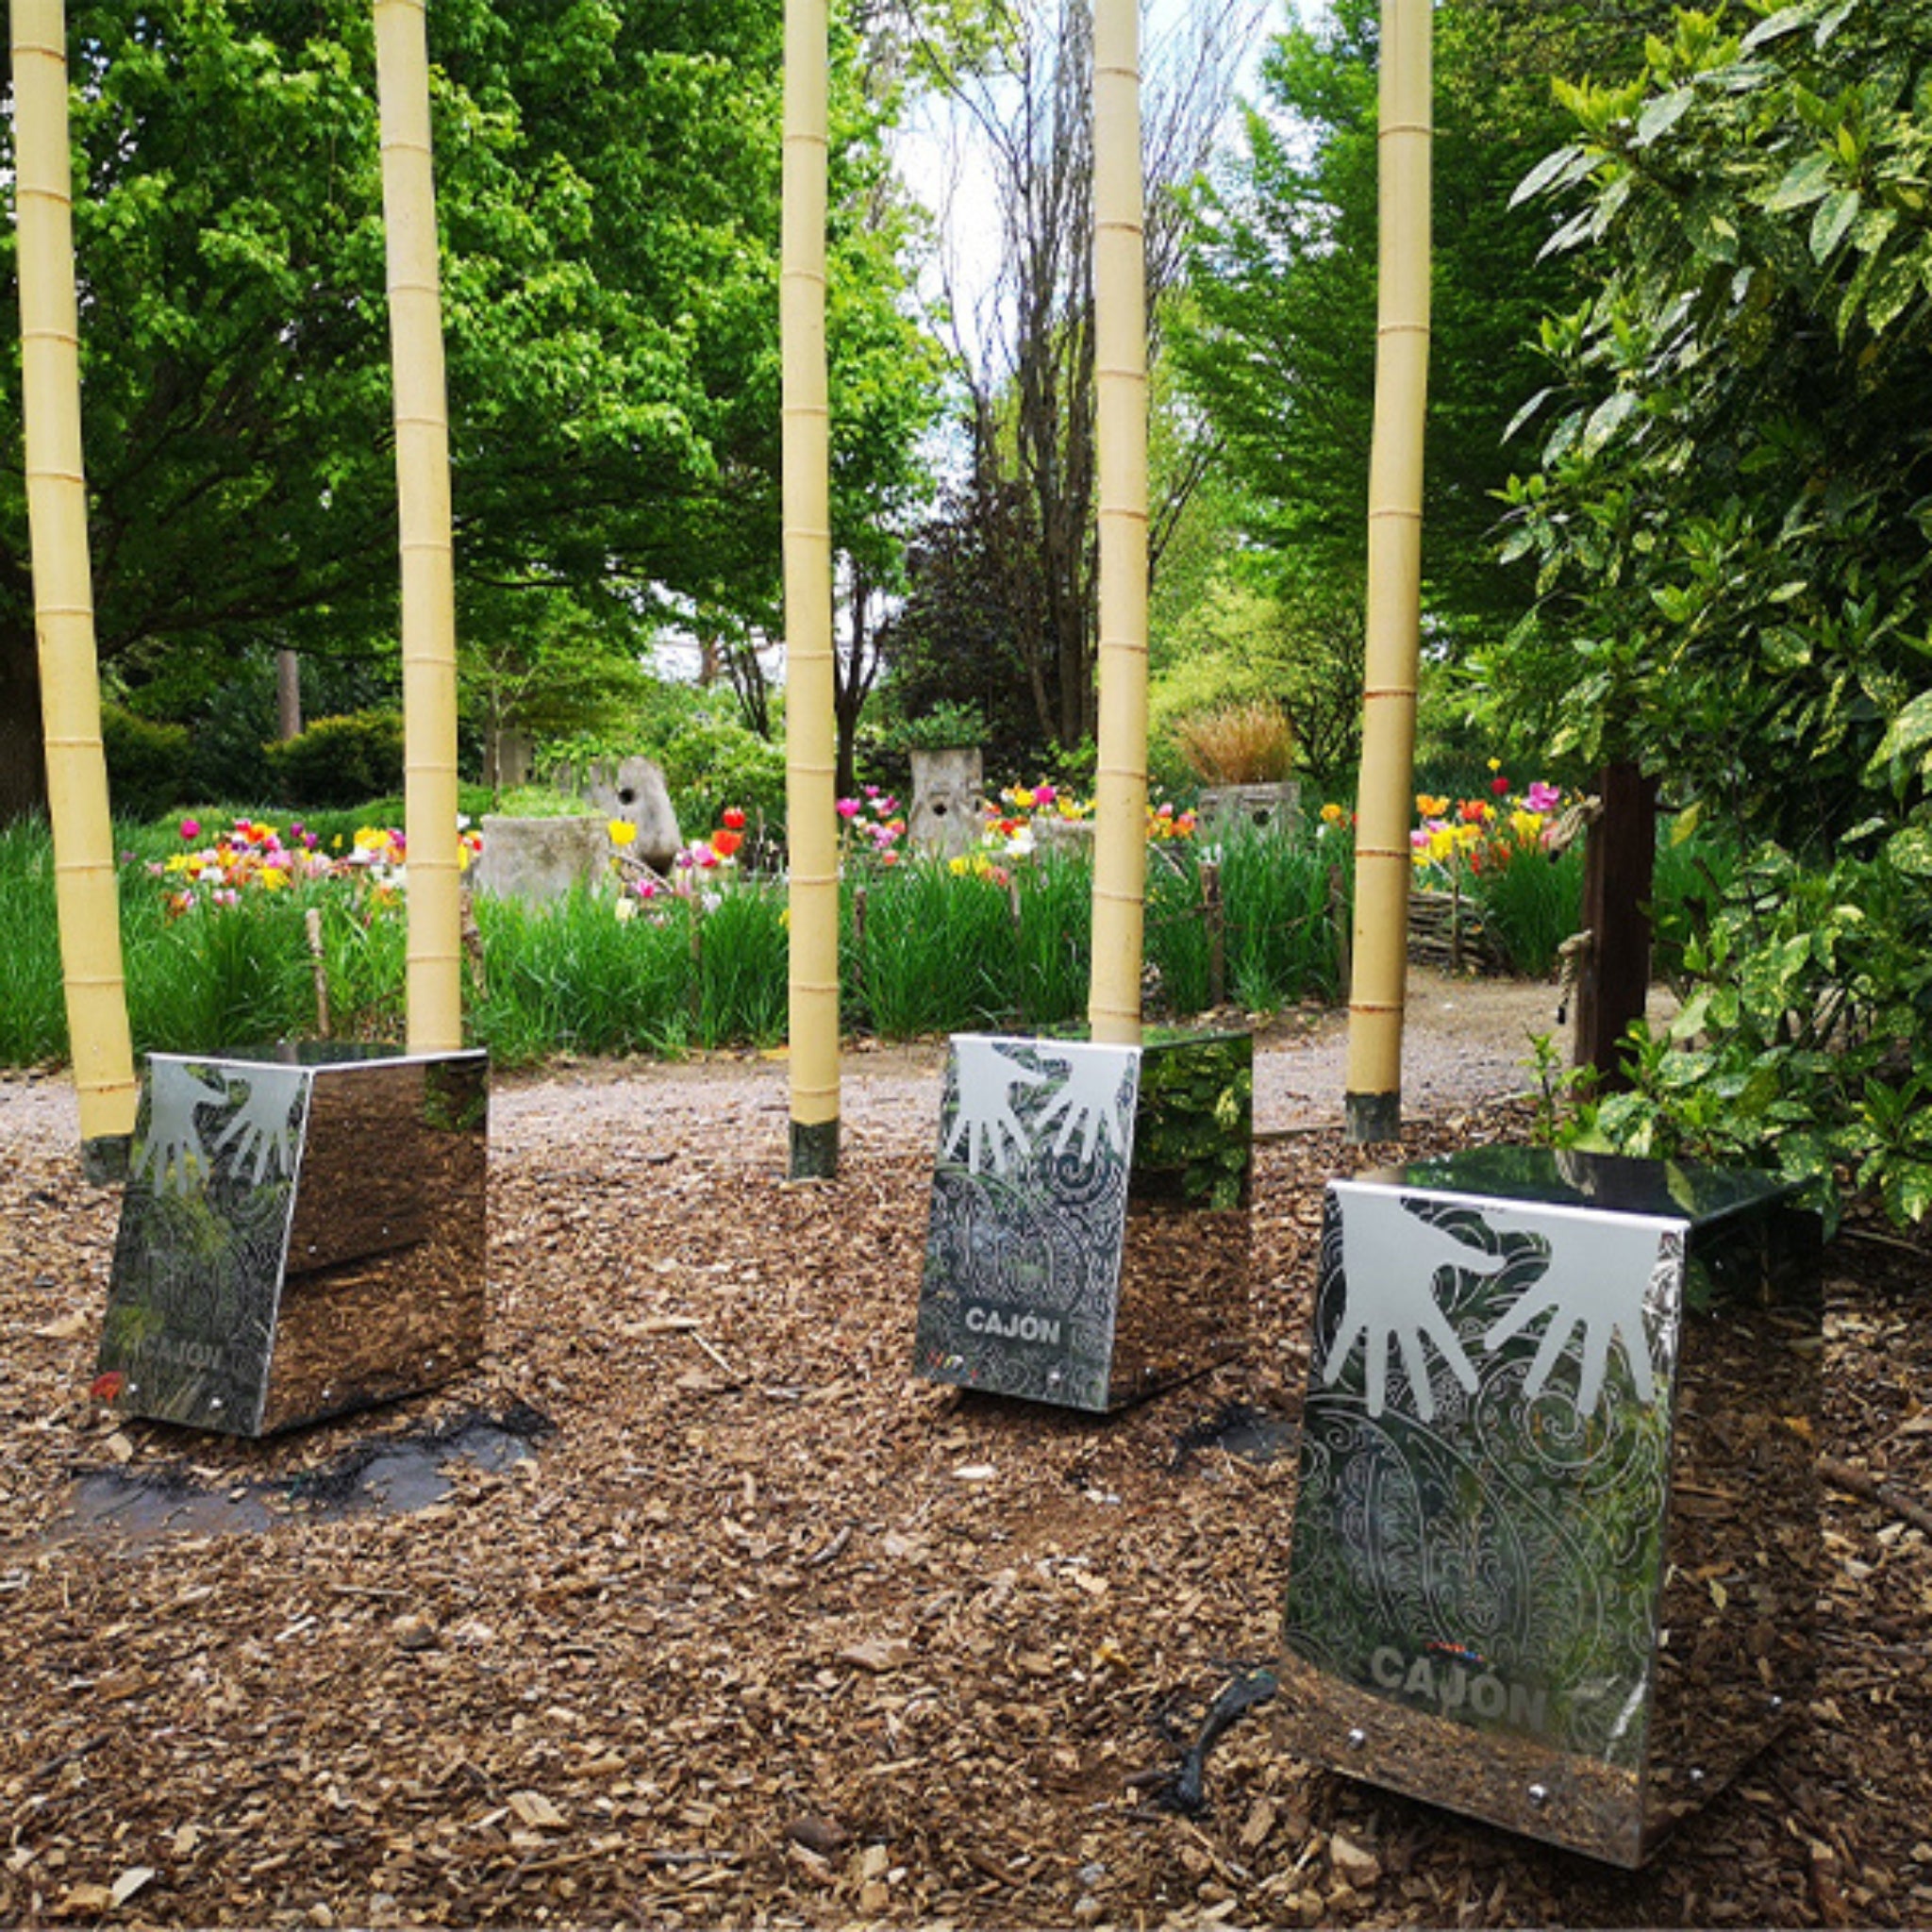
x,y
1618,863
288,694
23,756
852,685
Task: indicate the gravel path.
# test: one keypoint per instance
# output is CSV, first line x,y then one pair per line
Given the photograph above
x,y
1466,1041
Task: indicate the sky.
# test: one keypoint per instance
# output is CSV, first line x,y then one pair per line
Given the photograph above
x,y
936,150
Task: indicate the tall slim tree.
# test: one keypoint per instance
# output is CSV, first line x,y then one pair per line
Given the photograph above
x,y
1394,609
809,738
1120,858
428,559
1024,344
84,878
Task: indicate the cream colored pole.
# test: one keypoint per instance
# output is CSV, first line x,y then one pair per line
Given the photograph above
x,y
810,739
86,894
428,565
1374,1101
1119,846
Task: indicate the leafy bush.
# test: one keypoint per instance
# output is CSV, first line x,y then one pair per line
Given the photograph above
x,y
1299,654
943,726
340,760
1806,1044
712,762
147,762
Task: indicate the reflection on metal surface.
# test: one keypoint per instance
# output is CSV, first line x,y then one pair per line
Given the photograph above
x,y
302,1233
1089,1235
1557,1523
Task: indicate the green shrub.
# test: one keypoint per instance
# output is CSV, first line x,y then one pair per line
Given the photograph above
x,y
1802,1041
946,726
711,763
147,762
338,762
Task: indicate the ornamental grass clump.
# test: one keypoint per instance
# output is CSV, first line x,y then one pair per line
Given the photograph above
x,y
1237,744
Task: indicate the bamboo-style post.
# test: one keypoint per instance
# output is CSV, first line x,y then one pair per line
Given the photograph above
x,y
1374,1106
428,563
810,736
1120,322
85,893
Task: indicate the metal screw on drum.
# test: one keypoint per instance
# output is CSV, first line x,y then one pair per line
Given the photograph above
x,y
1539,1795
1356,1739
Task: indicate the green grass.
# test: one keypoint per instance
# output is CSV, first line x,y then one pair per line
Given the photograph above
x,y
1281,939
33,1021
937,953
1532,905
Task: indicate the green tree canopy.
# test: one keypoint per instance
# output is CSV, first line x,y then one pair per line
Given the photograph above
x,y
608,182
1730,521
1278,345
1730,515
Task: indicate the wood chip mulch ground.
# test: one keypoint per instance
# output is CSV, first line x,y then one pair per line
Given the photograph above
x,y
763,1631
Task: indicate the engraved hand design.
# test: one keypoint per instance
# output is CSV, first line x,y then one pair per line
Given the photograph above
x,y
986,1121
173,1151
260,1128
1089,1104
1388,1261
1596,1282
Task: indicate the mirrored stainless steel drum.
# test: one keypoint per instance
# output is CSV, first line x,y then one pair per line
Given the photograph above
x,y
1088,1235
1555,1543
302,1233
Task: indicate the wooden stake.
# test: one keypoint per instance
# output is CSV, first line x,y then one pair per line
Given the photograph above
x,y
428,563
86,891
1215,913
1380,982
811,733
1120,325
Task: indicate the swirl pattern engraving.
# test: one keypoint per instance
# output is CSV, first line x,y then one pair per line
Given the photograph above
x,y
1488,1546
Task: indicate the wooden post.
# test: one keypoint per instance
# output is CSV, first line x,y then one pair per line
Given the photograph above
x,y
428,562
1618,860
1119,324
86,891
1215,913
1380,982
811,729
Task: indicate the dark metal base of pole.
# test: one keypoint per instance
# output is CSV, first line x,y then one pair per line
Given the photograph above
x,y
104,1159
1374,1117
814,1150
